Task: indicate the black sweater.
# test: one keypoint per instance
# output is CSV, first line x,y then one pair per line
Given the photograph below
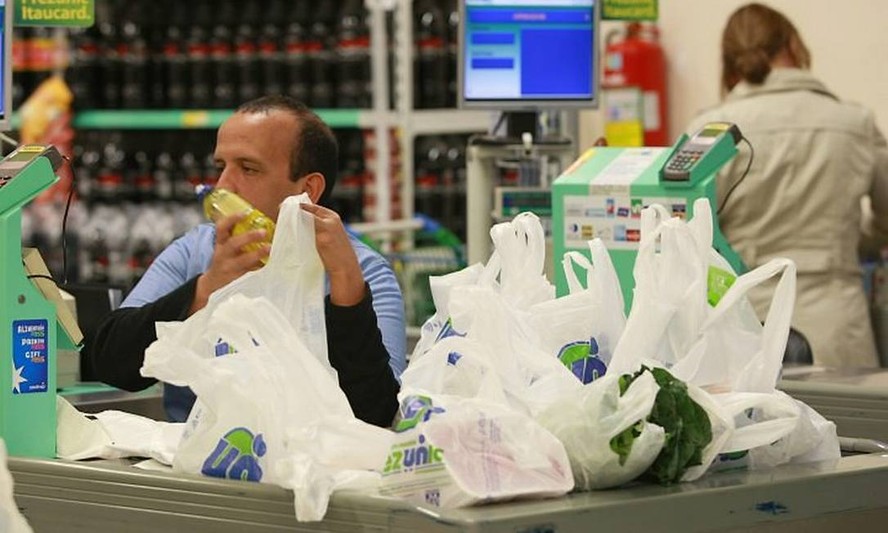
x,y
354,345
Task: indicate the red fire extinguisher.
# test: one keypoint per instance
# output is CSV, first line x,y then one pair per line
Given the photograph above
x,y
637,61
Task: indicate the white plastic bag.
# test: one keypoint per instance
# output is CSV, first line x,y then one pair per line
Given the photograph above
x,y
514,271
264,407
459,452
454,366
113,434
438,326
520,247
691,315
531,378
582,328
267,399
11,520
586,423
292,280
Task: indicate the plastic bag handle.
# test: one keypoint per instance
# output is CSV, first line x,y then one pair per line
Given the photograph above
x,y
651,217
701,225
760,375
521,247
567,263
606,275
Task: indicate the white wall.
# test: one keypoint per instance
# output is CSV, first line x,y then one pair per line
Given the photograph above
x,y
848,40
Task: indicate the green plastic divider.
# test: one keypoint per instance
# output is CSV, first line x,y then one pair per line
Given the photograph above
x,y
189,119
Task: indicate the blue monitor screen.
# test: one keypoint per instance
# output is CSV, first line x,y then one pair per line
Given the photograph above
x,y
521,54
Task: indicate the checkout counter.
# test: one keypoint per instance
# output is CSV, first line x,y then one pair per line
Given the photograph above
x,y
856,399
104,495
111,496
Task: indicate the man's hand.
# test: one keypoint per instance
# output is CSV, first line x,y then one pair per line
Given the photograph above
x,y
338,256
230,261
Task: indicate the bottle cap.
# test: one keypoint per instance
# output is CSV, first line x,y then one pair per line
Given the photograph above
x,y
202,191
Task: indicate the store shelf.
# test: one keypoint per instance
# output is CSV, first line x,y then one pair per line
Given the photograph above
x,y
203,118
431,122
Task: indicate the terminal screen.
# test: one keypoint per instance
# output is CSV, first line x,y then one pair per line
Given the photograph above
x,y
534,52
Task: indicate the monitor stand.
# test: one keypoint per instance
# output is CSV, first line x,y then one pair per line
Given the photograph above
x,y
517,124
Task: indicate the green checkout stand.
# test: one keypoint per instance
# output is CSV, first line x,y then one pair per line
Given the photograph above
x,y
30,332
602,194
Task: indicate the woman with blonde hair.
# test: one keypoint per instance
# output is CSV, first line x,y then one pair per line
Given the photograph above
x,y
815,161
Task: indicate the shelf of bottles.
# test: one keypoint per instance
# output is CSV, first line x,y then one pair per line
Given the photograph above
x,y
153,79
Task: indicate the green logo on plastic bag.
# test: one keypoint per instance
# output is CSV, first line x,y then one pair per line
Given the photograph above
x,y
413,455
718,281
581,358
413,410
236,456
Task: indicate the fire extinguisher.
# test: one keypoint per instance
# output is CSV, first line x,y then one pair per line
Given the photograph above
x,y
637,61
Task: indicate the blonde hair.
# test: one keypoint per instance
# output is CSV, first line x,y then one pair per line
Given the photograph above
x,y
753,36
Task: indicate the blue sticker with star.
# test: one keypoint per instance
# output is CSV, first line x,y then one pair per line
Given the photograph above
x,y
30,356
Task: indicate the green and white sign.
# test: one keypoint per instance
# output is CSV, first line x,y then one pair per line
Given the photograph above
x,y
55,13
629,10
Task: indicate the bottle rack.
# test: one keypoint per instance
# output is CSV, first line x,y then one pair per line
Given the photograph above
x,y
392,124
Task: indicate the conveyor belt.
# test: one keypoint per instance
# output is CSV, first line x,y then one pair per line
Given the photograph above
x,y
112,496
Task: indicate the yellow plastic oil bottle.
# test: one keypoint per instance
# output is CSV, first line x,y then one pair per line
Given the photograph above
x,y
219,203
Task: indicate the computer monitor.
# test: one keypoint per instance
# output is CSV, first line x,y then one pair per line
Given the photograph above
x,y
521,55
5,65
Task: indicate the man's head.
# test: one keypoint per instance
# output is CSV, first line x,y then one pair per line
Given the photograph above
x,y
274,147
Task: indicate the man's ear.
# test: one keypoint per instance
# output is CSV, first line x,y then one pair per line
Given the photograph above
x,y
315,183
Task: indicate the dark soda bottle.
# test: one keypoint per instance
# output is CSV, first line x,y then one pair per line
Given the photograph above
x,y
455,178
164,174
132,51
430,62
429,164
142,176
320,49
173,60
83,71
353,56
269,48
86,160
247,57
222,58
271,68
175,69
451,8
156,19
110,185
296,73
198,51
109,66
191,170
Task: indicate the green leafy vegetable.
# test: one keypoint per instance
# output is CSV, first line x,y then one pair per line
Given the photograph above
x,y
621,444
686,424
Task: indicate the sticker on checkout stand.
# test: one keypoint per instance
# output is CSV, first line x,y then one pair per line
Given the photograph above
x,y
30,356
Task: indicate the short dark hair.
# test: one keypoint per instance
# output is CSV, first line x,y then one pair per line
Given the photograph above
x,y
315,148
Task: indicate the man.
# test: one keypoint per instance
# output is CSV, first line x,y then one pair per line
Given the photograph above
x,y
269,149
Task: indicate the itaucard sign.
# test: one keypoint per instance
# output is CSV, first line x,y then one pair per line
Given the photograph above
x,y
629,10
70,13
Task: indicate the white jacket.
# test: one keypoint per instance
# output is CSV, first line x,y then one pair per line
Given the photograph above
x,y
815,159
